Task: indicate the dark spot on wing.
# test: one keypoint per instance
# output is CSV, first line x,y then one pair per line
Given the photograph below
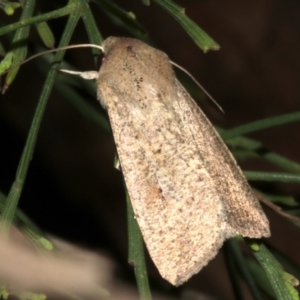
x,y
129,48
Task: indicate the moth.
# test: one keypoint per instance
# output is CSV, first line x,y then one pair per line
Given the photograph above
x,y
187,191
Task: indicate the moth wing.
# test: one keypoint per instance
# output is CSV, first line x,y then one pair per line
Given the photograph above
x,y
245,215
180,213
186,190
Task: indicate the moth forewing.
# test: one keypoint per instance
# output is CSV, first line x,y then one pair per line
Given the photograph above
x,y
187,192
244,213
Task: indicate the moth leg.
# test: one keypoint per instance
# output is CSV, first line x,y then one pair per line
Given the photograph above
x,y
89,75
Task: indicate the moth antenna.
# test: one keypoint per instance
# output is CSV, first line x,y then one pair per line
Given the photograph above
x,y
276,208
199,85
54,50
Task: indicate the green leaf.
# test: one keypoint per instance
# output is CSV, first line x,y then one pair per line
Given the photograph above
x,y
259,151
45,34
6,62
271,176
275,273
233,250
41,18
199,36
12,200
19,47
136,256
122,18
9,7
27,226
65,86
288,264
262,124
260,277
91,27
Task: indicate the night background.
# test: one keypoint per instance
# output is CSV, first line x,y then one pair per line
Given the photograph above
x,y
72,189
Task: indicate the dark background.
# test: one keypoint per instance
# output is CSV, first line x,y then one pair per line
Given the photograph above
x,y
73,190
